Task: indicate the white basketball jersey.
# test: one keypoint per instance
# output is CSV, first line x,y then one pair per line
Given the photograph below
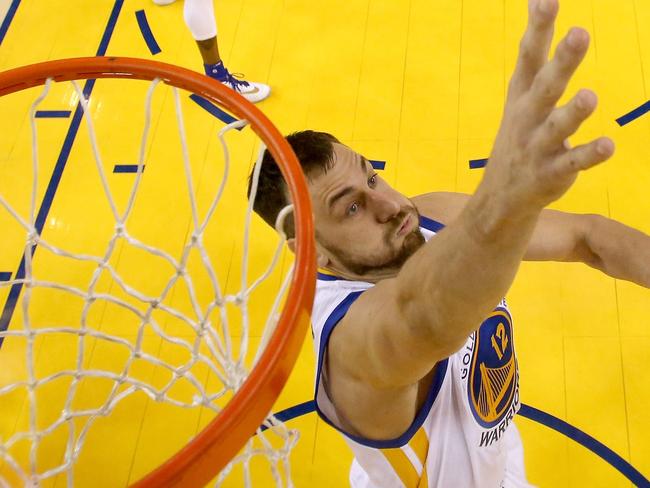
x,y
464,435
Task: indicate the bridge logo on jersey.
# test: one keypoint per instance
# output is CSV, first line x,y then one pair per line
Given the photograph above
x,y
492,380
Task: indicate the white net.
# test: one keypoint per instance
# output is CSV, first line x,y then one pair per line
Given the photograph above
x,y
96,345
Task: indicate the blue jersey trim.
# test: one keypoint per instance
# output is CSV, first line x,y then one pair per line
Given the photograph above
x,y
430,224
441,370
326,277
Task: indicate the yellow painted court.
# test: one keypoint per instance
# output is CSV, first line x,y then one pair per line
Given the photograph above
x,y
416,84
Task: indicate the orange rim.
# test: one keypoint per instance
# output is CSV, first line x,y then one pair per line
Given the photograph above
x,y
211,450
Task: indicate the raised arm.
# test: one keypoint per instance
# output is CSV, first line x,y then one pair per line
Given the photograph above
x,y
394,334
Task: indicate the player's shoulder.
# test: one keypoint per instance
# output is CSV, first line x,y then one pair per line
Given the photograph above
x,y
333,297
442,206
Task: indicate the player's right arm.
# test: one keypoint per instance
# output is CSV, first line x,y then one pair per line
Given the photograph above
x,y
394,334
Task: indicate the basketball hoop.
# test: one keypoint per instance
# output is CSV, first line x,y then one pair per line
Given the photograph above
x,y
211,450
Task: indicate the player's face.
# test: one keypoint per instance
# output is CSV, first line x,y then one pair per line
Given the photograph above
x,y
363,226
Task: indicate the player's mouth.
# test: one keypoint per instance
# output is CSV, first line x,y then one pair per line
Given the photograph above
x,y
405,228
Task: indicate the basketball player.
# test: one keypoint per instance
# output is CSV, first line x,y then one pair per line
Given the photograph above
x,y
415,358
199,18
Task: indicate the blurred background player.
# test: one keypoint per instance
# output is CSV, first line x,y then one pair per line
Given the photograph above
x,y
199,18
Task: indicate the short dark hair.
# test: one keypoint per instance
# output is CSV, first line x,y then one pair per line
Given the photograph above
x,y
314,151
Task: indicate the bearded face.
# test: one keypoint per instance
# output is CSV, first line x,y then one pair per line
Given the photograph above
x,y
363,226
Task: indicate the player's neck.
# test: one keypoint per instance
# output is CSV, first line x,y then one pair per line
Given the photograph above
x,y
372,276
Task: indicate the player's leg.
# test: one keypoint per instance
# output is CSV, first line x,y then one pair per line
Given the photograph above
x,y
200,19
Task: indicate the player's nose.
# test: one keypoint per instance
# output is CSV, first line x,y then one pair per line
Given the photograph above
x,y
385,207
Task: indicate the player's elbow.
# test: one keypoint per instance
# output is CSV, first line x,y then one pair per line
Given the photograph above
x,y
586,248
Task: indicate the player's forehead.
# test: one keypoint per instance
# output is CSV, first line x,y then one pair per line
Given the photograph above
x,y
345,168
344,163
344,157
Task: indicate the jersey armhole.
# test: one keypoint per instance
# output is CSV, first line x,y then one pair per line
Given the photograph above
x,y
320,394
430,224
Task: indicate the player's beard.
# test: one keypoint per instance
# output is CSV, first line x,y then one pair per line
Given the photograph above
x,y
398,255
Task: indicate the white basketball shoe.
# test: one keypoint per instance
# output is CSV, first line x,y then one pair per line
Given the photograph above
x,y
251,91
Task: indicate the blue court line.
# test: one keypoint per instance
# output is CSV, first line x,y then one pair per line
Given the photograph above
x,y
634,114
213,109
477,163
585,440
293,412
5,275
110,27
52,186
127,168
379,165
531,413
11,12
52,114
153,46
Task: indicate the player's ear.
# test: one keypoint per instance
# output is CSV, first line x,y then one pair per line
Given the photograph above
x,y
321,259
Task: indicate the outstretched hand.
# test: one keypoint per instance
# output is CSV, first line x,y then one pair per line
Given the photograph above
x,y
531,162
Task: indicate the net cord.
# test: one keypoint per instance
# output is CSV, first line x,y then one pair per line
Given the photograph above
x,y
219,348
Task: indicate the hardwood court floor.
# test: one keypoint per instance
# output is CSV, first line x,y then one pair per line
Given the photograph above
x,y
419,85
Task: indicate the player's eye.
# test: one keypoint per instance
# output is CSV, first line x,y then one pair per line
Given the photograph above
x,y
353,209
372,181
